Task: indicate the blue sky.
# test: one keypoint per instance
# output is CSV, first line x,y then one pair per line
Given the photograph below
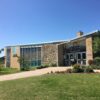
x,y
35,21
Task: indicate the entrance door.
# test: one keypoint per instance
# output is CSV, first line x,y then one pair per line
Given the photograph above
x,y
69,57
81,58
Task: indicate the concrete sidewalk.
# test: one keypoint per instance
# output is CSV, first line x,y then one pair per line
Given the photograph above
x,y
37,72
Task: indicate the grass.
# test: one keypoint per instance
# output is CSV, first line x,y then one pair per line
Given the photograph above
x,y
53,87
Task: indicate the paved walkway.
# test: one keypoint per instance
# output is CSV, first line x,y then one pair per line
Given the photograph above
x,y
37,72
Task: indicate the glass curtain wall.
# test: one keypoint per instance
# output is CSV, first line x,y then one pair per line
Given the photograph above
x,y
31,55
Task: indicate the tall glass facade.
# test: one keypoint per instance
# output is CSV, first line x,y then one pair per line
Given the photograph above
x,y
31,55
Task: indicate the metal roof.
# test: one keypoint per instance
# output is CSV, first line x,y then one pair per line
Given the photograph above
x,y
58,42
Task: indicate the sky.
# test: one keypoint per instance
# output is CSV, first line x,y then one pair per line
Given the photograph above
x,y
36,21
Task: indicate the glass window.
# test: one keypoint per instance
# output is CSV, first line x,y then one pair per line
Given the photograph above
x,y
71,56
32,55
79,56
84,55
14,50
67,56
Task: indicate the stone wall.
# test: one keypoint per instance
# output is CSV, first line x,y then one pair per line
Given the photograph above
x,y
49,54
60,55
5,51
14,60
89,49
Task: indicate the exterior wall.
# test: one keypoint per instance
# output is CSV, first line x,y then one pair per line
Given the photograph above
x,y
14,60
60,55
5,62
89,49
7,56
55,53
49,54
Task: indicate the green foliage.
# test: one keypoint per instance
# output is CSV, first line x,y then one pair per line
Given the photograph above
x,y
43,66
97,61
1,62
25,68
24,64
77,68
4,70
96,45
88,69
95,66
33,68
82,69
21,60
53,65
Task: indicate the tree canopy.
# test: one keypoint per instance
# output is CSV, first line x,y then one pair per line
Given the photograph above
x,y
96,45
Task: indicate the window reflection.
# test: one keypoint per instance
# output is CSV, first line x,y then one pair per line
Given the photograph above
x,y
32,55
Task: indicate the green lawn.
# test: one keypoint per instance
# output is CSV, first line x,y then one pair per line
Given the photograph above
x,y
53,87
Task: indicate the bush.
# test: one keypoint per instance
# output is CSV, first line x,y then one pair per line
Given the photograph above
x,y
33,68
25,68
77,68
90,62
4,70
97,61
82,69
69,70
43,66
88,69
53,65
95,66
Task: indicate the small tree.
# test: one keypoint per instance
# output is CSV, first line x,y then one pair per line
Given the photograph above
x,y
96,45
24,64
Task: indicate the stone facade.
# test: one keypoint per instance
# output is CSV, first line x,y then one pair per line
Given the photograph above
x,y
5,62
89,49
49,54
60,55
14,60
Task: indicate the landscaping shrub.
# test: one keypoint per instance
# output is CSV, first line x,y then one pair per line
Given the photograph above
x,y
77,68
69,70
53,65
25,68
43,66
97,61
4,70
95,66
33,68
90,62
88,69
82,69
